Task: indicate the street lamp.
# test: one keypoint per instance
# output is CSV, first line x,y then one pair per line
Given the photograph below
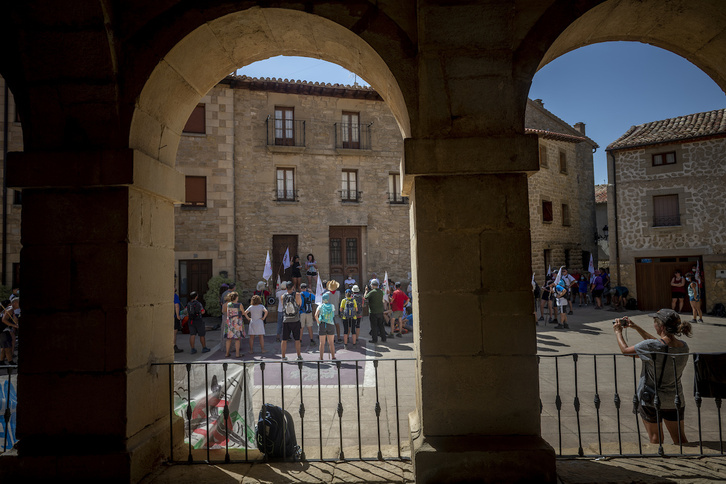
x,y
604,235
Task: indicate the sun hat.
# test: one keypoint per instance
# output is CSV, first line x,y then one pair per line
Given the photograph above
x,y
333,285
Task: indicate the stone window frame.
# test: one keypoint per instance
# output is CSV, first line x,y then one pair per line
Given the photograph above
x,y
286,190
196,201
683,208
563,162
566,216
551,218
543,163
651,151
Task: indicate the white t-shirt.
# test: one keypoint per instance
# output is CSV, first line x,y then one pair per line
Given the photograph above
x,y
280,293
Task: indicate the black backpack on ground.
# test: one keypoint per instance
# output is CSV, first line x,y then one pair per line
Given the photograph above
x,y
719,310
275,433
631,305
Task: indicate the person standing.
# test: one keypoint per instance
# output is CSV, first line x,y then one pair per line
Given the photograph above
x,y
678,290
694,297
296,273
359,302
177,320
10,324
280,293
597,288
374,298
256,313
335,301
349,312
658,354
583,283
324,316
398,302
234,328
311,270
560,293
570,283
196,323
291,320
546,300
307,310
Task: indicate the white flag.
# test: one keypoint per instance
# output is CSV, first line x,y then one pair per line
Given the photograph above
x,y
385,283
278,282
534,284
549,270
591,266
267,273
559,276
286,259
319,291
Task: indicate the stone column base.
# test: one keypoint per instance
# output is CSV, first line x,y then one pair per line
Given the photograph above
x,y
480,458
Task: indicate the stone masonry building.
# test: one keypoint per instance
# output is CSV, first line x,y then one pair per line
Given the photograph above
x,y
666,205
561,193
11,140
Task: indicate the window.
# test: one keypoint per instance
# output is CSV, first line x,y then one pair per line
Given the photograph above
x,y
665,211
196,191
286,184
661,159
350,130
565,215
543,156
284,126
336,257
197,121
349,187
394,189
563,162
546,211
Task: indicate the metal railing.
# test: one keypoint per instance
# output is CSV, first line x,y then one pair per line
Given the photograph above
x,y
605,421
352,136
666,220
334,386
397,199
285,132
8,405
286,195
350,196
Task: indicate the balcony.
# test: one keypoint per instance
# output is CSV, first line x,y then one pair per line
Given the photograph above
x,y
285,134
396,199
352,136
666,220
286,195
350,196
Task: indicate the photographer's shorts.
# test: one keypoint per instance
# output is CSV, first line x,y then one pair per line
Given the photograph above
x,y
291,327
326,329
197,327
306,320
672,415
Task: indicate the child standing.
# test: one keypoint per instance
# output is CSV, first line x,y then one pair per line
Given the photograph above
x,y
256,313
349,312
694,298
324,316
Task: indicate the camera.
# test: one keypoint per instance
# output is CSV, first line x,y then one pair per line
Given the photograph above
x,y
625,322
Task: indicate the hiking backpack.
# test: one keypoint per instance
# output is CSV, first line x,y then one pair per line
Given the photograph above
x,y
631,305
288,304
719,310
349,310
307,300
275,433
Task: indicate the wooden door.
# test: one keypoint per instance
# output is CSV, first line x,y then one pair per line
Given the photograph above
x,y
281,243
194,275
345,253
653,281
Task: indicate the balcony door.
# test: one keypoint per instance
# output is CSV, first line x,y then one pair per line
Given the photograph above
x,y
284,126
350,130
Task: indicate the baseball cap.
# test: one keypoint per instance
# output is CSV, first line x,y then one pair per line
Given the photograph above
x,y
667,316
304,285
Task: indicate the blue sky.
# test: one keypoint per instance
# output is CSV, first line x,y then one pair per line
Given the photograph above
x,y
609,87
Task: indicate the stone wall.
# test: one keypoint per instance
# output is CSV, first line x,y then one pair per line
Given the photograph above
x,y
698,177
14,143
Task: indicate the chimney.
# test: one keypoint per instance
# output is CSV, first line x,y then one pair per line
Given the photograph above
x,y
580,127
540,102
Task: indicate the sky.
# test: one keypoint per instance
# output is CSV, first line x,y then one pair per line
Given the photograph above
x,y
609,86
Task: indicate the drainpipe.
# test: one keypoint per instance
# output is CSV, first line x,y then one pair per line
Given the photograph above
x,y
234,189
6,116
615,216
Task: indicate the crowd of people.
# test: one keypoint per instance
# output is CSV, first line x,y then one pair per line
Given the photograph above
x,y
297,311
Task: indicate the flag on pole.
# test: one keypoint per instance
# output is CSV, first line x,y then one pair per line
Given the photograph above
x,y
267,273
385,283
278,282
534,284
286,259
591,266
559,276
319,291
549,270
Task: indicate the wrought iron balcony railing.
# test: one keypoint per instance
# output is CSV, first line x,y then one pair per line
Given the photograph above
x,y
285,132
352,136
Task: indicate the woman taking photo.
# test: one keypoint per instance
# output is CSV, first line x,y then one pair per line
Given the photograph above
x,y
658,354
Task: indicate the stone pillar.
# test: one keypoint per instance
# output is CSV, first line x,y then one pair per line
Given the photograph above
x,y
477,416
97,289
